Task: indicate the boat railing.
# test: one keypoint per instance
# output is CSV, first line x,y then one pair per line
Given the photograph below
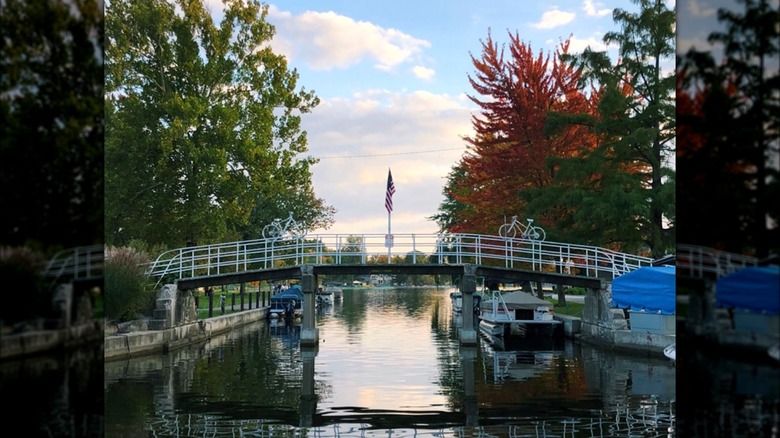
x,y
497,300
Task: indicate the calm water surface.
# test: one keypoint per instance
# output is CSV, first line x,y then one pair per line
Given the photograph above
x,y
388,364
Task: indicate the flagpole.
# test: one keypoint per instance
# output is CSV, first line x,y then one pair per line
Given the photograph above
x,y
389,207
388,234
389,248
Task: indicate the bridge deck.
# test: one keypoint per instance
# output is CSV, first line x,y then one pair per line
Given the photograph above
x,y
493,273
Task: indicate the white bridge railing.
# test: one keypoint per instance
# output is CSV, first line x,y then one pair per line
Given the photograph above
x,y
330,249
698,261
78,263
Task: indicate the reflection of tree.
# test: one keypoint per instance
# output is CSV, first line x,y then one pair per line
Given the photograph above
x,y
727,130
353,310
558,381
128,405
446,341
248,370
413,302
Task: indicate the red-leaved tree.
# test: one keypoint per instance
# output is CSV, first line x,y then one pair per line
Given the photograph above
x,y
510,149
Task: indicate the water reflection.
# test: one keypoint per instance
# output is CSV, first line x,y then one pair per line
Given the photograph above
x,y
53,394
387,361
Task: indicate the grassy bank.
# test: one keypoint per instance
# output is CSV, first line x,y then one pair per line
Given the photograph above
x,y
571,309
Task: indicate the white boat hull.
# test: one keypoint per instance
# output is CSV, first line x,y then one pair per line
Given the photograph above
x,y
671,352
490,328
774,352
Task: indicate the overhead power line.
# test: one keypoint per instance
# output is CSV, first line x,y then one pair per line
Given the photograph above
x,y
330,157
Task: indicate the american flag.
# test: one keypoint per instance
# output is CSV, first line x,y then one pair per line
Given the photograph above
x,y
390,191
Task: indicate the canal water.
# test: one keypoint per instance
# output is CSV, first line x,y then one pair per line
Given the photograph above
x,y
57,394
388,363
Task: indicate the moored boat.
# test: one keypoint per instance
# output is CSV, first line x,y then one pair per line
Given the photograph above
x,y
491,328
335,290
288,302
517,314
774,352
671,352
457,301
324,297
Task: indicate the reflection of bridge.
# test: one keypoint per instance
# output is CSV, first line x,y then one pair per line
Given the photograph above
x,y
464,256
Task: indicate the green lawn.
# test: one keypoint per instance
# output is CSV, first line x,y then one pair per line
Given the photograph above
x,y
571,309
203,301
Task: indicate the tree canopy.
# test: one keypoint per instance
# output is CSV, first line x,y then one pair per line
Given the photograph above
x,y
515,93
51,123
579,143
728,119
621,192
203,138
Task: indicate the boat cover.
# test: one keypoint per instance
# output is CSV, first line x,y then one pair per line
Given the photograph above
x,y
651,289
756,288
292,293
523,299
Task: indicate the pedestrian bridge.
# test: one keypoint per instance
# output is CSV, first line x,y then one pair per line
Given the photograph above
x,y
370,250
463,256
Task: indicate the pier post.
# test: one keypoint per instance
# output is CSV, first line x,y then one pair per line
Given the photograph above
x,y
309,332
468,285
241,294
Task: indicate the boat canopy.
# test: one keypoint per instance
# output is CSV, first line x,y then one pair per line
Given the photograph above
x,y
291,293
517,300
754,288
651,289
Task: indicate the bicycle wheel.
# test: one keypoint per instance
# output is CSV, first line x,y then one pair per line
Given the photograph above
x,y
271,231
538,233
297,231
507,231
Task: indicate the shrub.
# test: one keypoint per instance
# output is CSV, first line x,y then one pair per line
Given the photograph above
x,y
129,292
25,293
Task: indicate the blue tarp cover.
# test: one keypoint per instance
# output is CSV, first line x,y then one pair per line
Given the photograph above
x,y
754,288
291,293
651,289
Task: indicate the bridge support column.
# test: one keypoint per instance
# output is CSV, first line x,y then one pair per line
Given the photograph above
x,y
468,285
309,333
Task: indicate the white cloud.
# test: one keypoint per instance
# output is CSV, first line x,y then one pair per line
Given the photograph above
x,y
327,40
554,18
423,72
595,42
700,10
595,9
380,122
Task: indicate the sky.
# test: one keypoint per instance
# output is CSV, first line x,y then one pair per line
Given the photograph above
x,y
392,78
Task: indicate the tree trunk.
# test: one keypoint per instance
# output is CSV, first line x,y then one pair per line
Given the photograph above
x,y
561,294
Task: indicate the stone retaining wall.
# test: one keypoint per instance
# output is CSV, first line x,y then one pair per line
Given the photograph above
x,y
604,325
155,341
37,341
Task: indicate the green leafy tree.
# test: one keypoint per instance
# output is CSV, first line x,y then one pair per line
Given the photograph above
x,y
51,123
620,193
728,130
203,138
353,245
453,214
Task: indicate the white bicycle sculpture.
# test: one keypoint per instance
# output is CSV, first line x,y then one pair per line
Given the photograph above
x,y
279,228
527,230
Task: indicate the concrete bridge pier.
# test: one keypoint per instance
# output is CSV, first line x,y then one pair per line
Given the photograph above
x,y
468,286
309,333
